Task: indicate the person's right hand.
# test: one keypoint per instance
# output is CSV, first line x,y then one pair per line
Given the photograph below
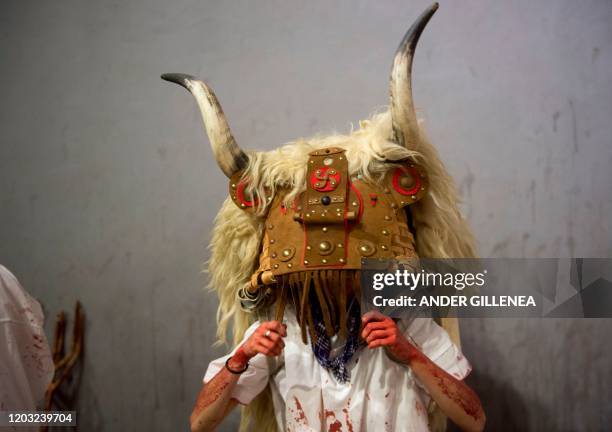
x,y
267,340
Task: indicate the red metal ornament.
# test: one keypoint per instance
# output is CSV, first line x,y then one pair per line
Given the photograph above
x,y
325,179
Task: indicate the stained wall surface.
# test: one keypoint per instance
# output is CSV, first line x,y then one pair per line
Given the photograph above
x,y
108,189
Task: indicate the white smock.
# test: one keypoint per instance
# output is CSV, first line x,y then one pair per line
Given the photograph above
x,y
382,395
26,366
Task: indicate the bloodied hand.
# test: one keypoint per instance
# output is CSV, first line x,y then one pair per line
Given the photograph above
x,y
381,331
266,340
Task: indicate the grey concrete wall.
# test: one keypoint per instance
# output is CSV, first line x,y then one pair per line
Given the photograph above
x,y
108,189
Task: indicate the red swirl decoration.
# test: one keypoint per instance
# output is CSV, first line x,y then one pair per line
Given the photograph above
x,y
323,180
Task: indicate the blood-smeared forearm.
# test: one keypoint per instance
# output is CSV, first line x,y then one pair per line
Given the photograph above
x,y
214,398
214,401
453,396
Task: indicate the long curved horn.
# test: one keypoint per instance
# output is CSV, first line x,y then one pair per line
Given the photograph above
x,y
228,154
403,115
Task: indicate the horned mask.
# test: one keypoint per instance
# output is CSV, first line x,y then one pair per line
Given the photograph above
x,y
312,244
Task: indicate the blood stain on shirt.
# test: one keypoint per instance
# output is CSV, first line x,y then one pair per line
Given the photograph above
x,y
335,427
419,407
301,416
347,420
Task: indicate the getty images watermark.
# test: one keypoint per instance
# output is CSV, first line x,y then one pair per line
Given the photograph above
x,y
421,279
493,287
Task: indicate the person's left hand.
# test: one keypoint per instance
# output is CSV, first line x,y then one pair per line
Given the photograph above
x,y
380,330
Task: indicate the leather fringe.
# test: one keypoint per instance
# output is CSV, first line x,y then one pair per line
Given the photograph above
x,y
331,290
